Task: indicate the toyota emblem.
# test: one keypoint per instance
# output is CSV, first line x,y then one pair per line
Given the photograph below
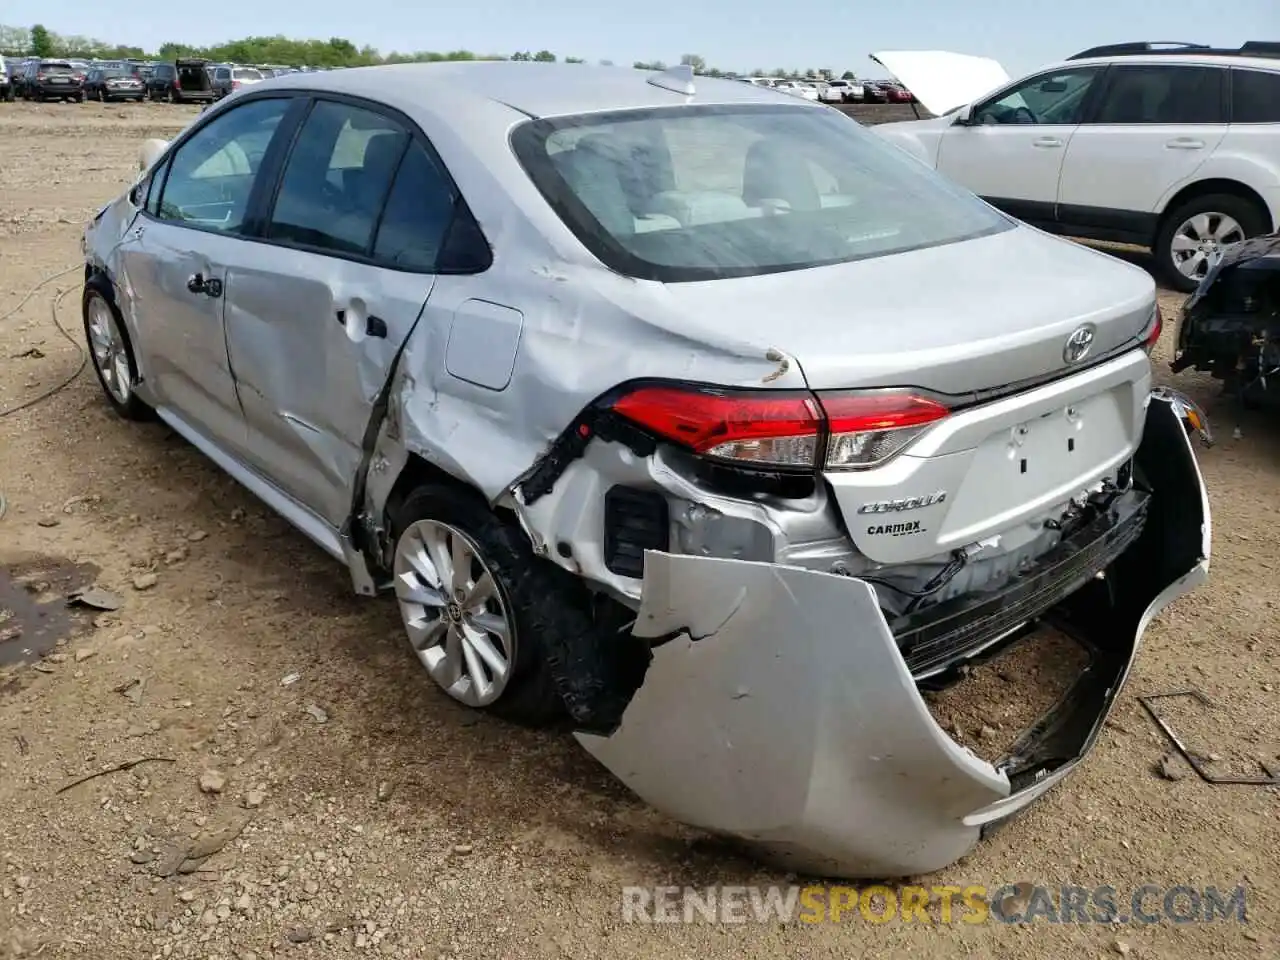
x,y
1078,344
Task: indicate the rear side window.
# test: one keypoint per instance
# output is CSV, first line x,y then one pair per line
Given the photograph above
x,y
1255,97
1158,93
337,178
419,211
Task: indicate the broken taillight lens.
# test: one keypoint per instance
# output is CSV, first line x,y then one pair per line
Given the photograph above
x,y
770,427
783,428
867,428
1154,330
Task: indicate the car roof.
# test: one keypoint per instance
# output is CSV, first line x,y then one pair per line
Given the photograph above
x,y
535,89
1179,58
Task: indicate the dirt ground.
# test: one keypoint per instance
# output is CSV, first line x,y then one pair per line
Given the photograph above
x,y
347,808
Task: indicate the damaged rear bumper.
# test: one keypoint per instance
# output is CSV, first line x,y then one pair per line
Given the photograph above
x,y
783,712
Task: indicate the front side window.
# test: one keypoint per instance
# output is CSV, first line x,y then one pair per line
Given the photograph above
x,y
337,178
1161,93
698,193
211,175
1255,96
1050,98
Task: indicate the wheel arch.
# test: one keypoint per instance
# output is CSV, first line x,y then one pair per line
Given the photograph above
x,y
1209,186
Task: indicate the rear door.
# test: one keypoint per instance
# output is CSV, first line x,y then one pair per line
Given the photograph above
x,y
1154,127
1011,152
317,311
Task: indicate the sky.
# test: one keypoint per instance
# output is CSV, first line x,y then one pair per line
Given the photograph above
x,y
739,35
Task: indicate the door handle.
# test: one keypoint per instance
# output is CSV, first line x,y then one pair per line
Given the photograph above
x,y
373,326
1185,143
210,287
1046,142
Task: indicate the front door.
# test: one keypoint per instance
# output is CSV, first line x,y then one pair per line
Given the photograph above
x,y
317,313
174,266
1011,151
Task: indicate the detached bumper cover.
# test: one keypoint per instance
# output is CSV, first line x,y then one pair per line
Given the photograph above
x,y
783,712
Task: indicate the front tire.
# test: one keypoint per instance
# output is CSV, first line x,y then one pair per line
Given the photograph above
x,y
1191,235
110,350
476,604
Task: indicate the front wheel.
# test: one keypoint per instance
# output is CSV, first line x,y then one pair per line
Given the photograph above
x,y
1192,236
111,352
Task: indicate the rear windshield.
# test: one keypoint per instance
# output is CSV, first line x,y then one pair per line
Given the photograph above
x,y
247,74
705,192
55,68
699,193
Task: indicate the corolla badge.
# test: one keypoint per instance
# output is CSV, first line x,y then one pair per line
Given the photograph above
x,y
1078,343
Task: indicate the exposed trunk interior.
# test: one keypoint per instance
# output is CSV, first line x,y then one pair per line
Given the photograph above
x,y
192,78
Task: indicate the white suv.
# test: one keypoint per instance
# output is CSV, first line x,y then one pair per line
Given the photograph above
x,y
1176,148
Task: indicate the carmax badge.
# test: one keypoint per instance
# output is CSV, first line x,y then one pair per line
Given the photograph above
x,y
905,503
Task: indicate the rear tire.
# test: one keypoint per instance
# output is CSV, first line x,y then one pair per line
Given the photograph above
x,y
529,599
1218,211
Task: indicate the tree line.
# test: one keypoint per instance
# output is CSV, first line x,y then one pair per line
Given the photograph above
x,y
39,41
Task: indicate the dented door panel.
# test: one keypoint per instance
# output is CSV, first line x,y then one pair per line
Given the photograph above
x,y
778,710
312,340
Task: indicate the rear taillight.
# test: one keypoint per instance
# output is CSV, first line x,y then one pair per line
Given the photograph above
x,y
235,84
784,429
773,428
1154,330
42,76
869,428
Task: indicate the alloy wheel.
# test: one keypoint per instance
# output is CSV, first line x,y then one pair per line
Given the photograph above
x,y
454,612
110,355
1198,242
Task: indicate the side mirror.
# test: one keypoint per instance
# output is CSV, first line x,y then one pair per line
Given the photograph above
x,y
964,116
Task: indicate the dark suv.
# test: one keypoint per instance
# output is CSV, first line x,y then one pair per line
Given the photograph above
x,y
183,81
51,80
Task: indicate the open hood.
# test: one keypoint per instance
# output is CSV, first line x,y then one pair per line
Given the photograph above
x,y
942,81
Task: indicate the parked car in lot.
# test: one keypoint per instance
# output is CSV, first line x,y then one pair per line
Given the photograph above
x,y
6,83
1230,327
113,83
842,91
797,88
228,78
847,405
1172,148
875,91
183,81
51,80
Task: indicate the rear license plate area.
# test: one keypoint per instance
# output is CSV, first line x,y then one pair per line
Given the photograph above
x,y
1055,449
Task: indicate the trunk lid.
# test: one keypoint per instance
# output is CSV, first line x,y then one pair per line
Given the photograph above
x,y
941,80
964,319
956,319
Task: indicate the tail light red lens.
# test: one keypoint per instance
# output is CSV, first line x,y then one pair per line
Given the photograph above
x,y
783,428
774,428
869,428
1154,331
